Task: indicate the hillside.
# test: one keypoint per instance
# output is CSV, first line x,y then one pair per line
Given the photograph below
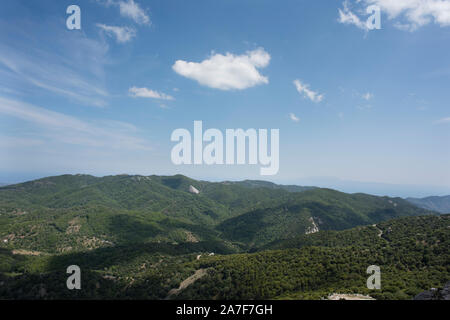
x,y
142,236
81,212
269,185
438,204
413,254
313,210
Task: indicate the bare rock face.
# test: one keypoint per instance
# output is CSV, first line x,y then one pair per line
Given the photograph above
x,y
435,294
193,190
313,228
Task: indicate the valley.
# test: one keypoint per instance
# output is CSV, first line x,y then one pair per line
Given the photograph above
x,y
172,237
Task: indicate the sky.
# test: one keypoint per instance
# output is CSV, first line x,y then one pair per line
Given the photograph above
x,y
358,109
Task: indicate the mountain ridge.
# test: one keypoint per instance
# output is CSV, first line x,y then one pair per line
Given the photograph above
x,y
436,203
79,212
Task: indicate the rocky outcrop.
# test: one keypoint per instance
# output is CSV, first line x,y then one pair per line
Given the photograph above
x,y
313,228
193,190
435,294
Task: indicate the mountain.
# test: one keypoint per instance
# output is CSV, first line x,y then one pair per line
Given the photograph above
x,y
141,237
439,204
269,185
313,210
80,212
412,253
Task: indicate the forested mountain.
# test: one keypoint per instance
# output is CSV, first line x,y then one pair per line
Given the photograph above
x,y
410,251
313,210
140,236
439,204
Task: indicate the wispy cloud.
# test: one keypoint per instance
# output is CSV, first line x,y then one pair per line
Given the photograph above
x,y
293,117
367,96
134,11
122,34
74,71
443,120
227,72
129,9
406,14
346,16
62,128
148,93
304,89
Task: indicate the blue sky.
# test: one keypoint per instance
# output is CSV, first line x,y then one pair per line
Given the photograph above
x,y
371,112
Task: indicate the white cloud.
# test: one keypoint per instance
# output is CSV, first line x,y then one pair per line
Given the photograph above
x,y
122,34
129,9
132,10
346,16
367,96
148,93
307,92
293,117
408,14
444,120
227,72
417,13
75,71
58,127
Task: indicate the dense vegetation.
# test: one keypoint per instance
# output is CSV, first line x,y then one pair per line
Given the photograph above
x,y
140,237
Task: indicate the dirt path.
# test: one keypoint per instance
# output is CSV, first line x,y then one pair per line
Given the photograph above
x,y
380,232
187,282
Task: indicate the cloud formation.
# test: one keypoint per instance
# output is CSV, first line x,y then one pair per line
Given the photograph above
x,y
304,89
367,96
293,117
133,10
444,120
122,34
129,9
62,128
346,16
75,71
148,93
408,14
227,72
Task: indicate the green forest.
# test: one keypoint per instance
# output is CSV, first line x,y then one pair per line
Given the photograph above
x,y
142,237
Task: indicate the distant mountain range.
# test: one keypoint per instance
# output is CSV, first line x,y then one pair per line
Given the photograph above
x,y
126,209
141,236
439,204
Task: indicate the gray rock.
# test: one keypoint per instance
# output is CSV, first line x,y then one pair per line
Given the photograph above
x,y
435,294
